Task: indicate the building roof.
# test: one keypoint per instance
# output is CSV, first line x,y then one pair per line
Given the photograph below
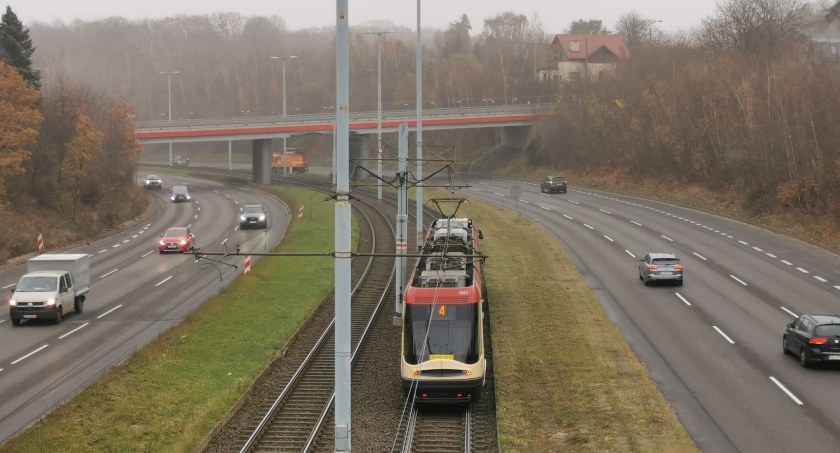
x,y
589,45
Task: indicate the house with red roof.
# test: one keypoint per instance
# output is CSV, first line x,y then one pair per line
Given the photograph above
x,y
585,57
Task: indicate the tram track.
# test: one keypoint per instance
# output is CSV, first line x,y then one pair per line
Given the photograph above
x,y
301,419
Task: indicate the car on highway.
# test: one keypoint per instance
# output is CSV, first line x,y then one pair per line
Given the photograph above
x,y
176,239
554,184
253,216
153,182
661,267
813,338
179,193
179,161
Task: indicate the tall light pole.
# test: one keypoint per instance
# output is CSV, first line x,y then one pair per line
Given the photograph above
x,y
419,193
285,154
169,90
379,35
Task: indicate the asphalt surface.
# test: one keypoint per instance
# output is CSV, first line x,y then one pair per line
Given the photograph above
x,y
136,294
714,345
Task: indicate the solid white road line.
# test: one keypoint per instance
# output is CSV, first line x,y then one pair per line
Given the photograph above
x,y
667,238
164,281
630,253
724,335
73,331
788,392
700,256
30,354
109,311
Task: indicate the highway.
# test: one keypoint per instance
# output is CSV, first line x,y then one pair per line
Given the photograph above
x,y
714,345
136,294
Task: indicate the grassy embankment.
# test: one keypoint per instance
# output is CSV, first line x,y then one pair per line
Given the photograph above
x,y
565,378
170,394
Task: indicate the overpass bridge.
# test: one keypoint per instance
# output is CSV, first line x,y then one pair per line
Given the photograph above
x,y
514,120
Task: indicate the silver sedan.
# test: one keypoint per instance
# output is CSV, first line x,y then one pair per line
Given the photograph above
x,y
660,267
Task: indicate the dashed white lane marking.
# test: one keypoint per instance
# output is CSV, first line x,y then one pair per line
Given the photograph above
x,y
667,238
30,354
109,311
804,271
8,286
474,189
568,217
738,280
609,238
742,242
837,287
102,251
108,273
227,196
135,236
573,201
196,216
787,262
147,254
236,202
790,312
115,245
126,241
771,255
198,209
235,228
525,201
223,242
73,331
680,296
163,281
724,335
820,279
497,193
547,209
757,249
700,256
587,226
788,392
630,253
605,211
635,223
189,226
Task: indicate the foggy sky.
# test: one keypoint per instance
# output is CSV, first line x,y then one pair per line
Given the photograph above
x,y
555,15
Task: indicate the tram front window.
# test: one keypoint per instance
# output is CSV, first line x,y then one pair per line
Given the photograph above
x,y
452,333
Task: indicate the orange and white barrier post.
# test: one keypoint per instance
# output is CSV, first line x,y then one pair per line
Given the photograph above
x,y
40,243
300,211
247,264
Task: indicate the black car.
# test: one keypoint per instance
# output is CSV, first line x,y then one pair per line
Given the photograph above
x,y
253,216
179,193
554,184
153,182
814,338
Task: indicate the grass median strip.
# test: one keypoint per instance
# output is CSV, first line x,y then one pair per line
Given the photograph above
x,y
565,378
174,391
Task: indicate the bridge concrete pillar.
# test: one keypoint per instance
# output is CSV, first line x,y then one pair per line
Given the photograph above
x,y
261,160
515,136
360,150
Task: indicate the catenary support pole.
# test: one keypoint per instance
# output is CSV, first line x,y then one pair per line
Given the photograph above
x,y
402,215
419,195
342,231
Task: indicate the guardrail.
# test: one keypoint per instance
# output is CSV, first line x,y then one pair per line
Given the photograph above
x,y
355,117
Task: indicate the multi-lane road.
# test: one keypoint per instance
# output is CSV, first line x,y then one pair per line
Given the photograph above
x,y
714,345
136,293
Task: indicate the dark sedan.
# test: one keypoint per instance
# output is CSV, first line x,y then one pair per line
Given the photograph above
x,y
253,216
153,182
813,338
554,184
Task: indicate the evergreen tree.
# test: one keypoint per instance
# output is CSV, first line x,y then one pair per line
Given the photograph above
x,y
16,47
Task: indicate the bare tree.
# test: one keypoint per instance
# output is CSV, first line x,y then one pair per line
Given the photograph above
x,y
755,27
635,29
587,27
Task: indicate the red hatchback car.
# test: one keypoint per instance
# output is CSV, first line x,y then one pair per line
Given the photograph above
x,y
176,239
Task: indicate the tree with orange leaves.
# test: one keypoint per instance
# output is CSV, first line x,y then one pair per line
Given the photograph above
x,y
19,123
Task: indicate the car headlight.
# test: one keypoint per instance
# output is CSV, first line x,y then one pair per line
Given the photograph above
x,y
242,218
13,302
172,198
262,218
51,301
183,242
161,242
188,197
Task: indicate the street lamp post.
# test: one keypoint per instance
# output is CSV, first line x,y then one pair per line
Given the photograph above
x,y
285,153
379,35
169,90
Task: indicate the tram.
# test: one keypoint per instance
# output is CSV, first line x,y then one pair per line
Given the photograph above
x,y
442,350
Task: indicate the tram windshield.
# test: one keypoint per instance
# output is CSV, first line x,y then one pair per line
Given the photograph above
x,y
452,333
